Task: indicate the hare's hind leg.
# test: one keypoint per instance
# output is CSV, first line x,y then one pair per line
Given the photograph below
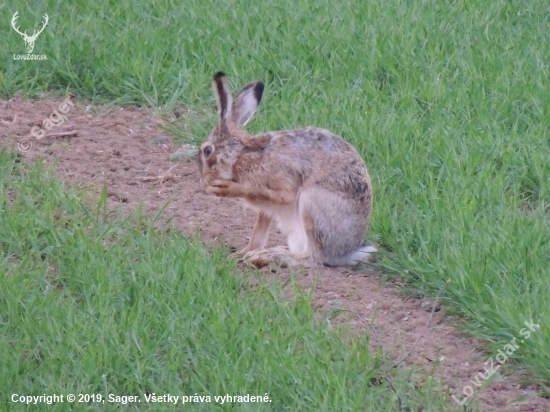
x,y
335,225
280,256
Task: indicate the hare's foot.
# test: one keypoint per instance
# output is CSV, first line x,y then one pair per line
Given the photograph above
x,y
240,253
280,256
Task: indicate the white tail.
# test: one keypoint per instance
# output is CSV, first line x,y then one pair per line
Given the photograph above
x,y
29,40
363,254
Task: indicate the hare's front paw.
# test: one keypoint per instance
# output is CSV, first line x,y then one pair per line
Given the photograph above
x,y
225,188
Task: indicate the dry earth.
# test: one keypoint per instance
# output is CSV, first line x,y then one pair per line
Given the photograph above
x,y
124,148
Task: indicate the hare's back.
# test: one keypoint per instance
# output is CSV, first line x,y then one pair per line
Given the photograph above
x,y
323,159
312,141
318,148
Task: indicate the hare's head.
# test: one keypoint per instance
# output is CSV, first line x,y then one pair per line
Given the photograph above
x,y
219,152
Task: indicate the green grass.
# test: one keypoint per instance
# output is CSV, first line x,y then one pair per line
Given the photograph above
x,y
447,102
93,303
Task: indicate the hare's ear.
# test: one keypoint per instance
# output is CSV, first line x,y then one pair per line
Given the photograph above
x,y
223,95
247,102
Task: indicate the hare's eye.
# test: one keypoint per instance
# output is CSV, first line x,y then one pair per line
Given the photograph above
x,y
208,151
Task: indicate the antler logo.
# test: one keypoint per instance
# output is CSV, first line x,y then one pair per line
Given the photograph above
x,y
29,40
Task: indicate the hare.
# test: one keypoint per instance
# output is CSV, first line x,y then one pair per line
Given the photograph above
x,y
312,182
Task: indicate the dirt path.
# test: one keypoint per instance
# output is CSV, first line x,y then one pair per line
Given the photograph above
x,y
125,149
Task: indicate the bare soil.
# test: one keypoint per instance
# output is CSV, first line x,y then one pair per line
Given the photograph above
x,y
125,149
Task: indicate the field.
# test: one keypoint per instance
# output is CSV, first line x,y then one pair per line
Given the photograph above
x,y
448,104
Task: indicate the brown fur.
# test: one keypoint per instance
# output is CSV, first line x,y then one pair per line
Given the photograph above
x,y
311,181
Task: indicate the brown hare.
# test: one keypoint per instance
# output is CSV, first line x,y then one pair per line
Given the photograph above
x,y
312,182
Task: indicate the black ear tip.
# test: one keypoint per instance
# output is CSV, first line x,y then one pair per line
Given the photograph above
x,y
258,90
219,75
